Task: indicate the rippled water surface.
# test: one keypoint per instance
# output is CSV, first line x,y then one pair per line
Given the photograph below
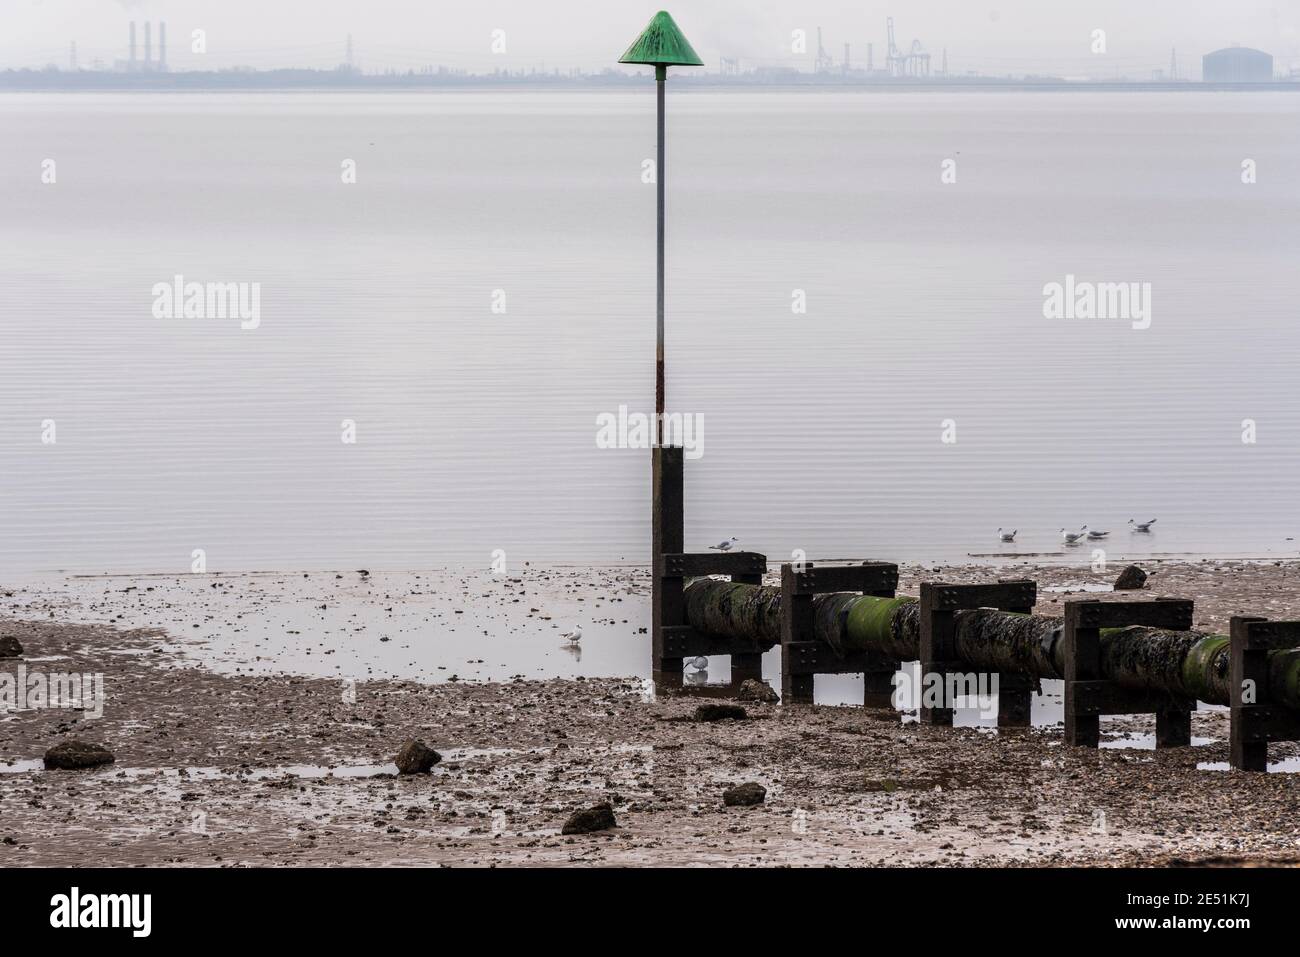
x,y
476,430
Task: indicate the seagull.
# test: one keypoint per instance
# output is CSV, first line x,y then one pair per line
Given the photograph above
x,y
699,663
1093,536
724,546
1141,526
1071,537
1007,536
573,637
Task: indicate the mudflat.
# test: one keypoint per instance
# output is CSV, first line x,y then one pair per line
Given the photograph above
x,y
217,768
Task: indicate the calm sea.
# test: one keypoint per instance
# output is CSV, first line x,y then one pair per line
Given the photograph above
x,y
475,426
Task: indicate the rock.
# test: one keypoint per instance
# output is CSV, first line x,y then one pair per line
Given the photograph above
x,y
75,755
720,712
598,818
1131,579
751,689
10,647
744,795
415,758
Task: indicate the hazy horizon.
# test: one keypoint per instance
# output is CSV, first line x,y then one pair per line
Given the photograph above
x,y
1003,36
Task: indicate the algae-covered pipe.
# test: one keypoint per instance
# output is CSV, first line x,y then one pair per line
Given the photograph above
x,y
1188,663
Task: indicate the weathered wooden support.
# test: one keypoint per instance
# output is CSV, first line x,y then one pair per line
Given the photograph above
x,y
1256,717
1180,663
940,604
667,604
672,637
804,654
1089,694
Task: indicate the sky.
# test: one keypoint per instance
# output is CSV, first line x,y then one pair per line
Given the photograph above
x,y
993,36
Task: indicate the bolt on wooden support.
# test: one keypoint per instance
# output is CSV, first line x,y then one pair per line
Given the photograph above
x,y
940,604
803,656
1256,721
1088,695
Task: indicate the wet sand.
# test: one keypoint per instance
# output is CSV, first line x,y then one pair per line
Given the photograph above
x,y
216,767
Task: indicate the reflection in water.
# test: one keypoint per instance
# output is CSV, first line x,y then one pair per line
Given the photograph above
x,y
1286,765
1145,741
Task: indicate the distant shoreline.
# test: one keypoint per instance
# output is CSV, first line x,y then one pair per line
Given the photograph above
x,y
32,81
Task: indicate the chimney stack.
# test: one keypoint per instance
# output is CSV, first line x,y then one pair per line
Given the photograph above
x,y
162,45
148,45
133,44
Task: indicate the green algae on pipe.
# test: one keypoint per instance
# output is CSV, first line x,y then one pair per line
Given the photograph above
x,y
1188,663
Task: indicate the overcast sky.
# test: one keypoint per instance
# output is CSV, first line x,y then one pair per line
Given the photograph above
x,y
990,35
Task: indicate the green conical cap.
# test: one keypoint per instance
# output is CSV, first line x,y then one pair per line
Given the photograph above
x,y
661,44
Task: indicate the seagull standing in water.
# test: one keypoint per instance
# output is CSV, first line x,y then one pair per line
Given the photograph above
x,y
1094,536
573,637
724,546
1071,538
1141,526
1007,536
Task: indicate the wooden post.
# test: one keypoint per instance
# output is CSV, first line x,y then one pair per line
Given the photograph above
x,y
1174,727
1256,720
937,654
796,631
1088,696
878,681
668,603
803,656
940,604
1247,664
1082,663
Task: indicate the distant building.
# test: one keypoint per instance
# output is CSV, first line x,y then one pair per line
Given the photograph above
x,y
148,64
1237,65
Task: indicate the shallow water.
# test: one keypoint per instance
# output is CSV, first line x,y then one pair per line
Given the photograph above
x,y
450,624
476,430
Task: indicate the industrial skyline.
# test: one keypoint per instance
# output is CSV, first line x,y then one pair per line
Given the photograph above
x,y
882,47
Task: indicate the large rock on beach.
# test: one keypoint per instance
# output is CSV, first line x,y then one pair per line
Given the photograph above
x,y
751,689
415,758
744,795
10,647
598,818
77,755
1131,579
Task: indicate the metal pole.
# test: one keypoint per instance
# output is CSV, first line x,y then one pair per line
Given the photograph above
x,y
661,74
